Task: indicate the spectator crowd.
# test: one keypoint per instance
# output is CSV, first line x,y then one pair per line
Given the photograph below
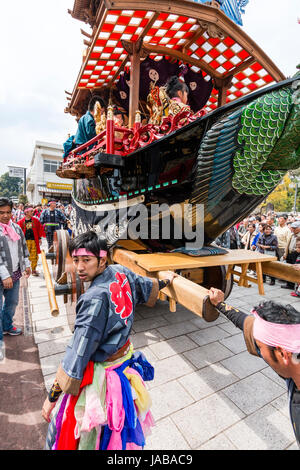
x,y
274,234
21,230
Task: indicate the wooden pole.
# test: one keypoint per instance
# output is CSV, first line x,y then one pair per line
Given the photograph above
x,y
51,294
285,271
135,59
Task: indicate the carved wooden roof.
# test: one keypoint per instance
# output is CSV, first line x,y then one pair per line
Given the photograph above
x,y
85,10
200,35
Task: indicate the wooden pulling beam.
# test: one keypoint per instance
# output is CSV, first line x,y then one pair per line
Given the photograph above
x,y
51,294
287,272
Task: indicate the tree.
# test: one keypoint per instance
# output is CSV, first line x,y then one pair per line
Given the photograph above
x,y
23,199
283,195
10,186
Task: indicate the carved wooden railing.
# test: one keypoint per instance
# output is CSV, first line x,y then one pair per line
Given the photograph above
x,y
121,141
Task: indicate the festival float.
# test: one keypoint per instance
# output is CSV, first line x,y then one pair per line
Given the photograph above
x,y
225,151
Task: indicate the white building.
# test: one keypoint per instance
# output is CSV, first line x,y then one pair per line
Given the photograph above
x,y
42,181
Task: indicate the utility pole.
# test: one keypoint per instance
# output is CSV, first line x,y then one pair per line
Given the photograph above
x,y
295,200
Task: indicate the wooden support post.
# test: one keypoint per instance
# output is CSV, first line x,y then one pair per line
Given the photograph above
x,y
243,281
222,86
134,85
136,52
172,305
260,281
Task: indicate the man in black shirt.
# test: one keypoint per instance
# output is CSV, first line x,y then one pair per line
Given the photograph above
x,y
272,333
52,219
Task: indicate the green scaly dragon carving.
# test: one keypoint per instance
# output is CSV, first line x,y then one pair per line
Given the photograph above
x,y
270,141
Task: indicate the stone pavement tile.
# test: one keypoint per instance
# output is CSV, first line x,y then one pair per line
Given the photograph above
x,y
44,301
145,338
49,380
208,354
168,398
271,374
200,323
235,343
220,442
173,346
170,369
50,364
180,315
177,329
281,404
160,308
253,299
253,392
52,322
53,347
146,324
209,335
244,364
42,314
51,334
238,293
38,292
165,436
230,328
207,381
150,356
265,429
198,423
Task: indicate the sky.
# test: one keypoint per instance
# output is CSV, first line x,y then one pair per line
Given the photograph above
x,y
41,55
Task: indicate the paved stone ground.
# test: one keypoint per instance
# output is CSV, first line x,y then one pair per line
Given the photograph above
x,y
22,387
208,392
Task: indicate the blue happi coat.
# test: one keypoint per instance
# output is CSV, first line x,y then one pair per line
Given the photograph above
x,y
104,317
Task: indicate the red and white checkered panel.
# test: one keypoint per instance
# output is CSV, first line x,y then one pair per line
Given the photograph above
x,y
171,31
250,79
108,54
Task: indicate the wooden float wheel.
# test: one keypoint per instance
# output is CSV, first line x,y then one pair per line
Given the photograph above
x,y
77,288
60,244
215,276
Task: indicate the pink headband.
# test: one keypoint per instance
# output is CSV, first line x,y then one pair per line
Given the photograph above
x,y
84,252
28,209
275,334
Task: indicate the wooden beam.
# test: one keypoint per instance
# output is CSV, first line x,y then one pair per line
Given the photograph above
x,y
136,52
285,271
192,40
222,86
120,69
209,14
86,34
240,67
161,50
135,73
149,25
